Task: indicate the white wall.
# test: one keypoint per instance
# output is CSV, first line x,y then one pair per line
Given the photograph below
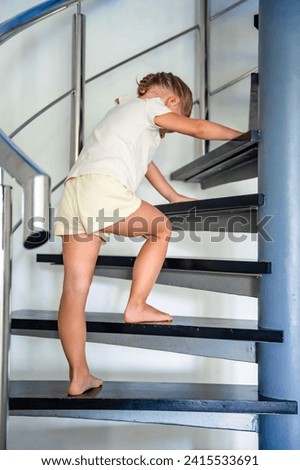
x,y
35,69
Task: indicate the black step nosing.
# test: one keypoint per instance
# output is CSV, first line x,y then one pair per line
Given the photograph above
x,y
209,169
252,268
227,151
207,165
209,328
231,203
166,396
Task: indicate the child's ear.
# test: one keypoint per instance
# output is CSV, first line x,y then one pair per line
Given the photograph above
x,y
173,100
173,103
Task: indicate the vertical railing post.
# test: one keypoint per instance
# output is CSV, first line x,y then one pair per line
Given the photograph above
x,y
202,65
78,86
279,180
5,286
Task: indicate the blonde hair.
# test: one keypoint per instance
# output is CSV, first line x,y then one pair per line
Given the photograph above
x,y
171,82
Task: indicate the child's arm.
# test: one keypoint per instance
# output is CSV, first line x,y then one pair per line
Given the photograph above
x,y
160,183
199,128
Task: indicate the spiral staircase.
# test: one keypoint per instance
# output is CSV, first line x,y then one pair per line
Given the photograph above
x,y
219,406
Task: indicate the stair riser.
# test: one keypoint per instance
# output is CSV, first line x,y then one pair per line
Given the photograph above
x,y
242,222
226,283
235,422
244,351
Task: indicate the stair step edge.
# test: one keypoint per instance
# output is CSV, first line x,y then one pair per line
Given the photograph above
x,y
192,327
217,398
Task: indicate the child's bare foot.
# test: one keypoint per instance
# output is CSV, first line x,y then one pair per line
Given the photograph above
x,y
79,386
145,314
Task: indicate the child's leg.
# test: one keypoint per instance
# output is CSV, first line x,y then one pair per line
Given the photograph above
x,y
149,222
79,254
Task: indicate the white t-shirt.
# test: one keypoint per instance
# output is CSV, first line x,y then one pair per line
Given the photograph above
x,y
124,142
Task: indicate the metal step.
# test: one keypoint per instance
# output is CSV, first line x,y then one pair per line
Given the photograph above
x,y
229,214
233,161
164,403
232,277
210,337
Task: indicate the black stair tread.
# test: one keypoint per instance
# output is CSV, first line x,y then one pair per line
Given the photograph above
x,y
188,327
254,268
237,152
224,398
231,203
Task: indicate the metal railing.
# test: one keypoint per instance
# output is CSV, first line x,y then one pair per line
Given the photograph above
x,y
5,286
248,73
33,179
24,20
36,186
35,182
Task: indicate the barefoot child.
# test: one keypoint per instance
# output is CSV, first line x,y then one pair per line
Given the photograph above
x,y
99,199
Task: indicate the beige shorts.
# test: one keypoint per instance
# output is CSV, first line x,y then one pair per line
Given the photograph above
x,y
91,203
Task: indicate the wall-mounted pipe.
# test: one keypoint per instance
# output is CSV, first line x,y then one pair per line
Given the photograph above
x,y
36,186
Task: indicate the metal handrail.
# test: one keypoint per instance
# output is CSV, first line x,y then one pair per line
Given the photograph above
x,y
36,184
30,17
14,158
234,81
100,74
24,20
226,10
211,18
39,113
136,56
5,287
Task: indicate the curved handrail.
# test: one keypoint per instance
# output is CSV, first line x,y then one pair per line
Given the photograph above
x,y
39,113
139,54
29,17
36,184
34,180
101,74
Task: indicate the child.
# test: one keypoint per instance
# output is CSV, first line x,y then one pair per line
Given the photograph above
x,y
99,199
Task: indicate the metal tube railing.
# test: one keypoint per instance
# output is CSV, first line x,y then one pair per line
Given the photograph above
x,y
241,77
226,10
36,184
234,81
39,113
202,69
78,85
20,22
139,54
5,287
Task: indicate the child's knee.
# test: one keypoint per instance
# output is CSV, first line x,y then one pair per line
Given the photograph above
x,y
162,227
77,285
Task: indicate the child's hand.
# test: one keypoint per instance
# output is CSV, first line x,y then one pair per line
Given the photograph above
x,y
181,198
